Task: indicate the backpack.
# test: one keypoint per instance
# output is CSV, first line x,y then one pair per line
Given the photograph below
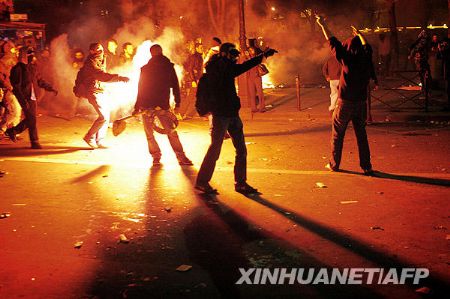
x,y
206,94
79,89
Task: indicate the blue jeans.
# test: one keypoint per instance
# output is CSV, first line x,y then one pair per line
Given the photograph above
x,y
356,112
220,125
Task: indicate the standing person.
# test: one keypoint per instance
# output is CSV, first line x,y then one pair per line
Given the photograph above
x,y
89,87
384,53
157,78
332,72
254,84
112,57
12,111
225,116
419,52
127,55
193,68
355,56
444,54
26,80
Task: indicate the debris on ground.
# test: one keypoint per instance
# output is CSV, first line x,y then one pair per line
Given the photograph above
x,y
105,176
78,244
440,227
168,209
123,239
376,228
184,268
4,215
250,143
380,193
3,173
423,290
321,185
447,237
345,202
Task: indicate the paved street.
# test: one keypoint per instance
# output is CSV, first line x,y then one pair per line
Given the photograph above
x,y
65,194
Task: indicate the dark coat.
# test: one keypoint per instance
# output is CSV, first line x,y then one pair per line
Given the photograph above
x,y
92,73
23,77
357,68
193,67
157,78
223,70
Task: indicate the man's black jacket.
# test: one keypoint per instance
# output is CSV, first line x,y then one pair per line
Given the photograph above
x,y
23,77
157,78
224,71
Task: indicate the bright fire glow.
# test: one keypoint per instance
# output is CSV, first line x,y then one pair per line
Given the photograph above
x,y
267,82
122,96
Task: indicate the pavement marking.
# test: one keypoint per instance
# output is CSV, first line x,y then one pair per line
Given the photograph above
x,y
175,166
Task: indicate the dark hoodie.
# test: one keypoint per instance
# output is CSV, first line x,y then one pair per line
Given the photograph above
x,y
357,68
92,73
223,70
157,78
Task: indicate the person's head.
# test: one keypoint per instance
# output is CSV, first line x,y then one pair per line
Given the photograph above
x,y
156,50
216,41
353,45
78,55
199,48
96,49
112,46
128,49
27,55
434,38
9,48
229,51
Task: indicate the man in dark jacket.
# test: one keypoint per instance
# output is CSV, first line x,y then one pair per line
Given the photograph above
x,y
26,81
355,56
224,69
157,78
88,80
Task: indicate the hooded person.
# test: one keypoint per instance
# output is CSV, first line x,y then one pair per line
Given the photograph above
x,y
157,79
26,82
89,81
223,69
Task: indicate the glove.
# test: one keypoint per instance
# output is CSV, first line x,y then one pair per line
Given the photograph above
x,y
270,52
124,79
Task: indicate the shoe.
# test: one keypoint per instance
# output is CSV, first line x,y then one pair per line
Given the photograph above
x,y
10,133
245,189
156,161
90,142
185,161
333,169
205,188
101,145
369,172
36,145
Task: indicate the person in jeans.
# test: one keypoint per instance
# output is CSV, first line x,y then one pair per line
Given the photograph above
x,y
355,56
26,82
88,79
225,117
157,78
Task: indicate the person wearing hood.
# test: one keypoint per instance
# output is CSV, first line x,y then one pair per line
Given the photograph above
x,y
89,77
355,57
26,82
157,79
223,69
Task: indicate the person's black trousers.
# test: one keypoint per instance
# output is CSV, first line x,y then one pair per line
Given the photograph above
x,y
29,109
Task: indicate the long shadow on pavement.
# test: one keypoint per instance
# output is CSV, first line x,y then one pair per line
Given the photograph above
x,y
358,247
291,132
25,151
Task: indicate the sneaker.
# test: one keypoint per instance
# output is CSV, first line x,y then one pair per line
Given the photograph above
x,y
101,145
36,145
330,168
205,188
369,172
185,161
245,189
90,142
10,133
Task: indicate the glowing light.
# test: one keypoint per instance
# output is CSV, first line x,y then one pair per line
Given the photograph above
x,y
273,8
122,96
267,82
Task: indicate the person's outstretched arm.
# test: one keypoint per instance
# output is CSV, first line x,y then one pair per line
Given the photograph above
x,y
325,30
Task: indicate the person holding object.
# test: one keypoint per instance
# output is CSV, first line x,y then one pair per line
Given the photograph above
x,y
87,85
157,78
26,81
355,57
225,116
